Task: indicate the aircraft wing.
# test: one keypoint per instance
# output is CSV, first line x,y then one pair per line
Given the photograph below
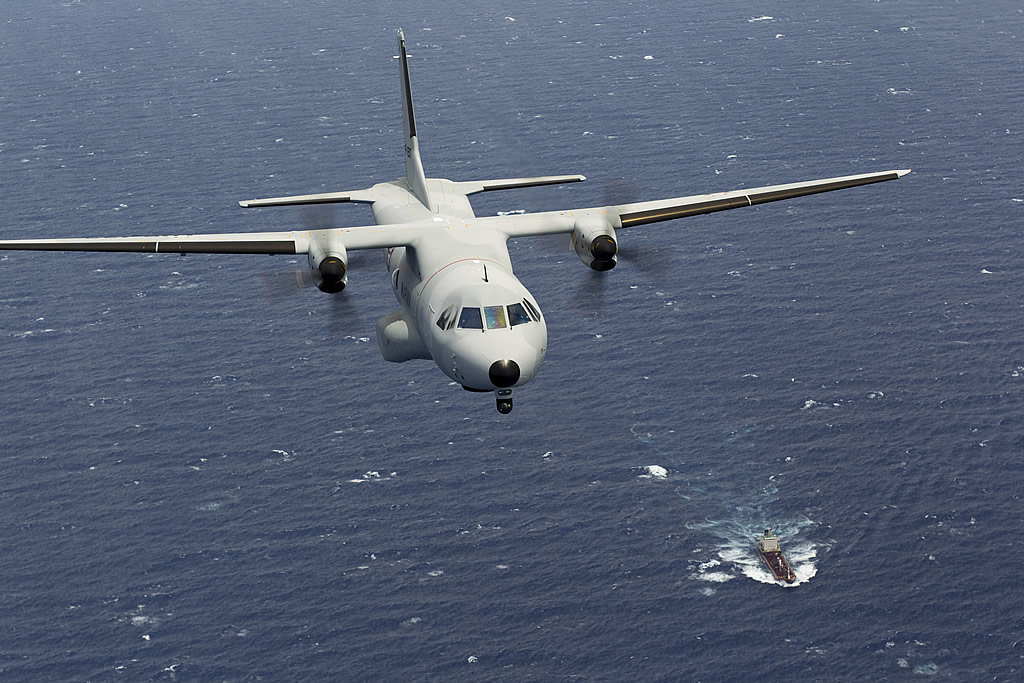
x,y
297,242
641,213
237,243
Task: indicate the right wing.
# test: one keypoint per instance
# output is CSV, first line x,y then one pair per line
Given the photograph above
x,y
641,213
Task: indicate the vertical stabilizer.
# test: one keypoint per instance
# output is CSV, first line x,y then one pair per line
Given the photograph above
x,y
413,166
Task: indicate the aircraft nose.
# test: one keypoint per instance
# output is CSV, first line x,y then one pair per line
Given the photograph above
x,y
503,373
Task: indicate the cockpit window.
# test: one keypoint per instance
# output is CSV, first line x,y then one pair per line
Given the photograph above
x,y
517,315
447,319
495,316
533,310
470,319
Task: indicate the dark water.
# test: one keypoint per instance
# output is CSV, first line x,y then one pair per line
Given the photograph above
x,y
207,476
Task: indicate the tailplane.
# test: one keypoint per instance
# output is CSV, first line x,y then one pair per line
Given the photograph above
x,y
413,166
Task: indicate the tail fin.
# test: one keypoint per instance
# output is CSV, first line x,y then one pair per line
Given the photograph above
x,y
413,166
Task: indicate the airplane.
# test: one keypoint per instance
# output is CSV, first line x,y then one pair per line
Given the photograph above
x,y
459,302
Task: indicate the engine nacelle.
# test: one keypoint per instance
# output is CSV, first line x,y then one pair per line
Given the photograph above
x,y
328,258
399,340
593,240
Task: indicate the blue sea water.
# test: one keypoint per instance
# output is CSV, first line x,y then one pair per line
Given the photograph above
x,y
207,475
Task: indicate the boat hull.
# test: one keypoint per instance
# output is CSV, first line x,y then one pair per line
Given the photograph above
x,y
777,564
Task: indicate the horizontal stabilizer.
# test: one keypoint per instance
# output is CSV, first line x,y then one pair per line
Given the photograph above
x,y
295,200
510,183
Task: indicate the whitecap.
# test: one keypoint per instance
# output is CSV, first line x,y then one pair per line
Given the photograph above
x,y
654,472
374,475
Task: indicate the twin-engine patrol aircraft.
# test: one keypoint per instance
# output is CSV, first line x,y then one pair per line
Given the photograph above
x,y
459,304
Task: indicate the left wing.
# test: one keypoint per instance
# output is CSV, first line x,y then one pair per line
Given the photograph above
x,y
641,213
238,243
298,242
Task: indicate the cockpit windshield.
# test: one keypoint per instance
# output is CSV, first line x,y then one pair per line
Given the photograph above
x,y
517,315
495,317
490,317
470,319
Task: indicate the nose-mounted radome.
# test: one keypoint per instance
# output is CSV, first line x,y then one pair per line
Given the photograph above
x,y
503,373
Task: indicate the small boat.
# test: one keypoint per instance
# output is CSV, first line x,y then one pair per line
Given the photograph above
x,y
771,553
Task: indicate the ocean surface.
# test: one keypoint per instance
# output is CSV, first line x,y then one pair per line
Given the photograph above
x,y
209,474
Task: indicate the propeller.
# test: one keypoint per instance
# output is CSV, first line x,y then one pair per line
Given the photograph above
x,y
343,311
650,259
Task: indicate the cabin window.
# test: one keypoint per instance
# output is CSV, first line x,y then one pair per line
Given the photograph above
x,y
533,310
495,316
470,319
517,315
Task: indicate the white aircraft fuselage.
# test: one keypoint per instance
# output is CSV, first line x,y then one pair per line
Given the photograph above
x,y
458,264
459,303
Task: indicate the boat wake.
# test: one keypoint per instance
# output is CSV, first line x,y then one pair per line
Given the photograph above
x,y
735,512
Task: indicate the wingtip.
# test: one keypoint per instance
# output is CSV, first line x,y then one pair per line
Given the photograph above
x,y
903,172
